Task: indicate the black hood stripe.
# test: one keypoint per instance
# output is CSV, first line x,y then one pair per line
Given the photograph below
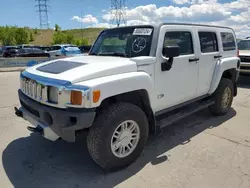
x,y
58,67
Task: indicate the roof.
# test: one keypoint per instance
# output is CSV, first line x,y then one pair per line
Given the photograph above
x,y
203,25
161,24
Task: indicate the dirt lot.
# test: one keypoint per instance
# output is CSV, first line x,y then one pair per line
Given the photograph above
x,y
201,151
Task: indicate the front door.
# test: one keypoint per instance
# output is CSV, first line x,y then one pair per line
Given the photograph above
x,y
178,84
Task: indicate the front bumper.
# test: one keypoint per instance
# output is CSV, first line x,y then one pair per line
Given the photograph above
x,y
245,67
63,122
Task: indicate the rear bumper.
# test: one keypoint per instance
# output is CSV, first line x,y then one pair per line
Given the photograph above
x,y
63,122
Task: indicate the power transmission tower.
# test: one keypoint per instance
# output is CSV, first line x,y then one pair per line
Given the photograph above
x,y
118,12
43,13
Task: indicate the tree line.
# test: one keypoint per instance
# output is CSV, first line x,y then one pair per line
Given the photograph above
x,y
62,37
13,35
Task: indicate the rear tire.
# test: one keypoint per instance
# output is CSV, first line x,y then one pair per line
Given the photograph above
x,y
223,97
102,140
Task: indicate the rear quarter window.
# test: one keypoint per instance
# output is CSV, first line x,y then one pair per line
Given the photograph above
x,y
228,41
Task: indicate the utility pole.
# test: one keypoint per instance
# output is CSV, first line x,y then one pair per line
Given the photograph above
x,y
43,13
118,12
81,26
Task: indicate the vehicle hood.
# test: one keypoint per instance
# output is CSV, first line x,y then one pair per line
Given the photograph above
x,y
244,52
81,68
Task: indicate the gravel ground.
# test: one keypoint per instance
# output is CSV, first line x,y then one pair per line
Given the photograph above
x,y
199,151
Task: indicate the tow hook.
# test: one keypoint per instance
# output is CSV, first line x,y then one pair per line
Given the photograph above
x,y
35,129
18,112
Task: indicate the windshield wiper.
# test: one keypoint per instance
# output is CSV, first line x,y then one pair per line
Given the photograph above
x,y
114,54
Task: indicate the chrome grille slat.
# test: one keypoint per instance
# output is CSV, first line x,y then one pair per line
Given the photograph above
x,y
34,90
30,88
45,98
26,87
37,91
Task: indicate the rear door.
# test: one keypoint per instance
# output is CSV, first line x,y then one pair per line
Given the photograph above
x,y
209,55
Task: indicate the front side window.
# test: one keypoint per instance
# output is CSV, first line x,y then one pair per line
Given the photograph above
x,y
208,42
125,42
228,41
183,39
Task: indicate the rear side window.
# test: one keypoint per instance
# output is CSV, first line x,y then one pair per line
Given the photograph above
x,y
208,42
183,39
228,41
37,50
55,48
21,51
28,50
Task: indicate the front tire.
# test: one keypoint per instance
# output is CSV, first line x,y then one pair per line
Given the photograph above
x,y
223,97
118,136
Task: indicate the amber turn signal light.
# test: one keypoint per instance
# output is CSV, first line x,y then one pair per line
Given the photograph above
x,y
76,97
96,95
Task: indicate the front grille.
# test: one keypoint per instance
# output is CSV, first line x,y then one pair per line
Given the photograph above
x,y
31,110
33,89
245,58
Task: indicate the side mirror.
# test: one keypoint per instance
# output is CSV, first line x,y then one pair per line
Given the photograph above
x,y
171,51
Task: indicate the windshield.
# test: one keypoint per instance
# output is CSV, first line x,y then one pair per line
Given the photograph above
x,y
244,45
124,42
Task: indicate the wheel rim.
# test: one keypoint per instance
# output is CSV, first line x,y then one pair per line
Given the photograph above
x,y
226,97
125,138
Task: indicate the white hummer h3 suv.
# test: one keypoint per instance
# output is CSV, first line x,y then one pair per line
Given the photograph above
x,y
134,81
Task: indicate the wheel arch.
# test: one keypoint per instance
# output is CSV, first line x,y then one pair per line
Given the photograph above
x,y
139,98
227,68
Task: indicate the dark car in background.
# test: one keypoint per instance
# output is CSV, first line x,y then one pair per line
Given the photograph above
x,y
31,52
25,52
45,48
9,51
85,48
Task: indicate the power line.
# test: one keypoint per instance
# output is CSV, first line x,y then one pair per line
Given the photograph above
x,y
118,12
43,13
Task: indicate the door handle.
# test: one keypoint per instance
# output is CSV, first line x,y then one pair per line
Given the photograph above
x,y
217,56
195,59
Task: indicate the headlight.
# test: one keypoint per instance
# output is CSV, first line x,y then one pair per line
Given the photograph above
x,y
81,96
53,94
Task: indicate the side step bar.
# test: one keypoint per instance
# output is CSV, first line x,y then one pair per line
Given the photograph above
x,y
181,113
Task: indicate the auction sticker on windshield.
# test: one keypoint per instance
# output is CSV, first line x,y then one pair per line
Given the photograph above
x,y
142,31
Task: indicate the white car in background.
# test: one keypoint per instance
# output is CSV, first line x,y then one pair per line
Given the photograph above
x,y
244,54
64,50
